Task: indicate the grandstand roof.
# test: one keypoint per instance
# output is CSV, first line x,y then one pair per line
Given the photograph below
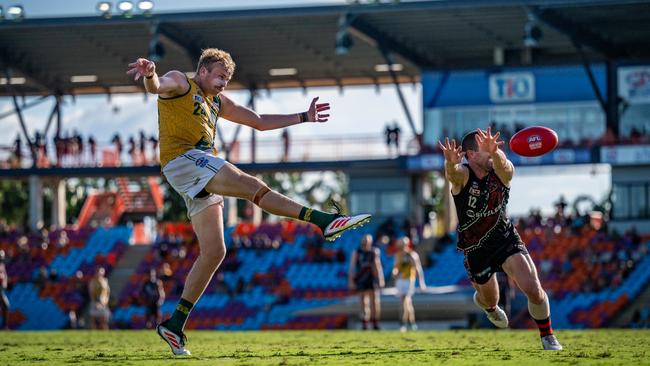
x,y
443,34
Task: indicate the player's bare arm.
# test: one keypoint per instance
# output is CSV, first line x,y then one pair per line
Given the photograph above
x,y
418,268
351,271
503,167
234,112
171,84
455,172
379,269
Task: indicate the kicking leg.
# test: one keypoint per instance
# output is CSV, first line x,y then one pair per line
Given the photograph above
x,y
230,181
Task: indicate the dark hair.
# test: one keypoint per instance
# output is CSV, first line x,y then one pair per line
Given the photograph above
x,y
469,141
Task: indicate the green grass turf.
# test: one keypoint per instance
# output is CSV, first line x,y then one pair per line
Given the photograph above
x,y
473,347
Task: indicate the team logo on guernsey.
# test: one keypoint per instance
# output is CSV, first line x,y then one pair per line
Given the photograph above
x,y
197,98
201,162
474,190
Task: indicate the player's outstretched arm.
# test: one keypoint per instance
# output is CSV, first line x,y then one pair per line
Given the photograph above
x,y
455,172
351,270
418,269
234,112
503,167
171,84
379,269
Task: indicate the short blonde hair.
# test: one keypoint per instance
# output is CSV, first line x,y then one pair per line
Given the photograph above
x,y
211,55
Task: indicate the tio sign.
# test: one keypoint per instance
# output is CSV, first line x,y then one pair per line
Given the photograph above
x,y
512,87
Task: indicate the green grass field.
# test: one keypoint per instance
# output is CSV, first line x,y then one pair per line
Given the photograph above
x,y
600,347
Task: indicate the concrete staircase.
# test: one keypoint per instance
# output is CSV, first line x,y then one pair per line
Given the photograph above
x,y
624,318
125,267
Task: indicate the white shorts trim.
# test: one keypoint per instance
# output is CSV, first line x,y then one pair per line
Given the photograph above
x,y
189,173
405,287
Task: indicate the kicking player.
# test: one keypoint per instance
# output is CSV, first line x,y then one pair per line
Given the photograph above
x,y
485,234
188,109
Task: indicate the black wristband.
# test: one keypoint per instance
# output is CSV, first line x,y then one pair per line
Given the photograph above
x,y
304,117
150,77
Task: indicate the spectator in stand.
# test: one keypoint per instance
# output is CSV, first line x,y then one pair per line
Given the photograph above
x,y
92,147
396,134
117,141
285,145
389,138
79,142
153,296
143,147
132,151
366,277
154,148
99,292
18,152
4,300
41,278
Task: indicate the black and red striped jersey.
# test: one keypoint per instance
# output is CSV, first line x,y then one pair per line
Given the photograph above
x,y
481,209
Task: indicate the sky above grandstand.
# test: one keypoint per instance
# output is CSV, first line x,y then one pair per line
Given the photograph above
x,y
355,111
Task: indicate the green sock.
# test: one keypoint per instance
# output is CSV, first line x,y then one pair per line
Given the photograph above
x,y
178,319
319,218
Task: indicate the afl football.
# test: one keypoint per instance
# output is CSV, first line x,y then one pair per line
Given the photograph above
x,y
533,141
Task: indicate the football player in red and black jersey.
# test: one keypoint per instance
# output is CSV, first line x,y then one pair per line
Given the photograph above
x,y
488,239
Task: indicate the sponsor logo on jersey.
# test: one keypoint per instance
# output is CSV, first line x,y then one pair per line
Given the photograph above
x,y
197,98
201,162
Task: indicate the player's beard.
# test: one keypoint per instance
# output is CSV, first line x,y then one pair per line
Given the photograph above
x,y
489,164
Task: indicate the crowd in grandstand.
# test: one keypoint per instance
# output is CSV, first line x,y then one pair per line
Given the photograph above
x,y
575,254
73,150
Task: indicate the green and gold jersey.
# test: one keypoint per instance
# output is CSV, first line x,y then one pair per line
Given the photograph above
x,y
187,121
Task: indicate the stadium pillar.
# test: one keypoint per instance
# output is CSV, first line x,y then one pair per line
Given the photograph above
x,y
417,198
58,203
612,97
35,203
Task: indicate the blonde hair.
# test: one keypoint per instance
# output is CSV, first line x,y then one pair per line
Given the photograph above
x,y
212,55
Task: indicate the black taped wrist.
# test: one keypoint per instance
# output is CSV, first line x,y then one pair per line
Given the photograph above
x,y
304,117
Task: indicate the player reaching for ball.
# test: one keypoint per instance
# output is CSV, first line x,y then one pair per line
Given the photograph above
x,y
488,239
188,109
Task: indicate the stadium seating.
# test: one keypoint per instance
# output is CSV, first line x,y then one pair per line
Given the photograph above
x,y
274,271
44,303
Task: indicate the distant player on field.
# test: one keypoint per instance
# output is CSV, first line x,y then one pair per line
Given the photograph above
x,y
407,265
366,277
188,109
485,234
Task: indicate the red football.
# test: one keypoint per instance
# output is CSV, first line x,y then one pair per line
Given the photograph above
x,y
533,141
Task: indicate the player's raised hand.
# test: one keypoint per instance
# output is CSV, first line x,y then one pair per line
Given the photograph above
x,y
141,67
487,142
453,154
315,109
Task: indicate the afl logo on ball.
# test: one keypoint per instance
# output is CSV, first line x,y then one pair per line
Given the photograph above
x,y
201,162
535,142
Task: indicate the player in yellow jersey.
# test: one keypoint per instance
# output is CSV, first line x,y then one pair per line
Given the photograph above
x,y
407,265
188,109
